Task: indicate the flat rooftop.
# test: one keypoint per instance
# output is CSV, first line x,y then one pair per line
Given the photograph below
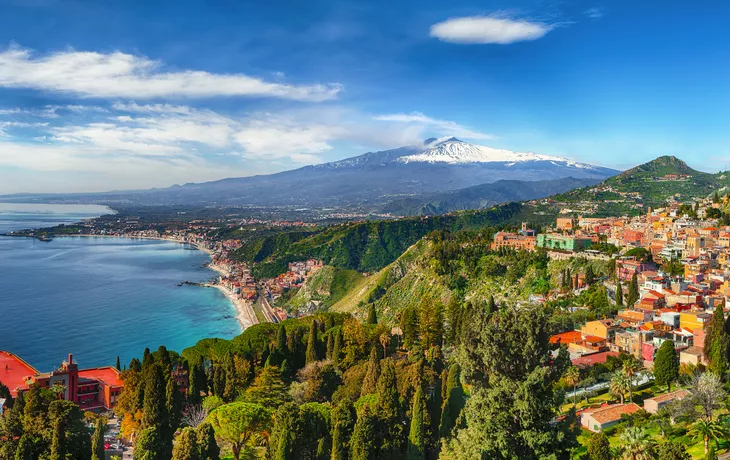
x,y
13,371
108,375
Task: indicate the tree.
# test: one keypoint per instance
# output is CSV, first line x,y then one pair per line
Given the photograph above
x,y
343,422
73,435
633,295
337,348
666,365
58,441
186,446
372,314
26,448
453,402
155,413
672,450
599,447
711,454
311,354
118,365
572,378
619,294
717,341
149,446
369,383
630,368
97,441
194,385
510,366
173,403
619,385
706,430
239,424
281,347
590,277
363,445
268,389
416,435
637,444
207,447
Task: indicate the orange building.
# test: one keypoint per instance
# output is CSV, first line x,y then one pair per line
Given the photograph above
x,y
513,240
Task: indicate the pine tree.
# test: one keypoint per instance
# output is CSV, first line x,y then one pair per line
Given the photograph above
x,y
372,314
619,294
666,365
186,446
97,442
362,443
369,383
343,422
416,436
453,401
390,427
337,347
633,294
207,446
311,354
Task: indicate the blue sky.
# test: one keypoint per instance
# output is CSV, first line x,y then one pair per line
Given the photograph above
x,y
100,95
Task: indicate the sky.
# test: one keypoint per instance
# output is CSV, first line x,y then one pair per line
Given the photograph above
x,y
105,95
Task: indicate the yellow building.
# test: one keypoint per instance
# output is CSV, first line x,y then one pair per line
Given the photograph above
x,y
694,320
600,328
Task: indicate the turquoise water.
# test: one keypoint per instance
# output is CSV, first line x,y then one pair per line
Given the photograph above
x,y
102,297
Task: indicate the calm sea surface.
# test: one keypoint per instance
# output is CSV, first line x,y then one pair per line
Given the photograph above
x,y
101,297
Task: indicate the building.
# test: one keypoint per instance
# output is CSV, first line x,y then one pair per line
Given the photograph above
x,y
563,242
565,223
653,405
602,328
604,417
96,389
513,240
694,320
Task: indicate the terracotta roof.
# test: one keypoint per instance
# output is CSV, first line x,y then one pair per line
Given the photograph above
x,y
697,351
593,339
566,337
593,358
107,375
679,394
613,413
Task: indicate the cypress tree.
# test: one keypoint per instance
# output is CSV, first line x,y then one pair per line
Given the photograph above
x,y
619,294
589,275
25,450
194,385
230,389
165,361
173,403
453,401
666,365
343,422
491,305
599,447
149,446
146,358
633,294
97,442
186,446
362,443
330,345
311,354
118,365
369,383
58,441
207,447
155,414
281,347
372,314
286,370
219,381
416,436
388,398
337,347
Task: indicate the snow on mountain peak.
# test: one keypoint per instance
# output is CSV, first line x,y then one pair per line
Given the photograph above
x,y
454,151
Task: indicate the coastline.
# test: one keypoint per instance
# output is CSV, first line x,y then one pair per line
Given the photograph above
x,y
244,311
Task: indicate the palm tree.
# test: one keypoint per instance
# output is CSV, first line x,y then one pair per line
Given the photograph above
x,y
637,444
619,385
706,430
630,369
572,377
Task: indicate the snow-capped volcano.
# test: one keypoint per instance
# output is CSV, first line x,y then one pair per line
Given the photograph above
x,y
454,151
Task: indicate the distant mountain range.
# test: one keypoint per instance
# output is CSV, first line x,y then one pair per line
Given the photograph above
x,y
373,180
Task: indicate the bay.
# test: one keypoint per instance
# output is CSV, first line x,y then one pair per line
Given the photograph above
x,y
100,298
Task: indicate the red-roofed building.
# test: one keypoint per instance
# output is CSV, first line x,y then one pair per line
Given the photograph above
x,y
567,337
95,389
593,359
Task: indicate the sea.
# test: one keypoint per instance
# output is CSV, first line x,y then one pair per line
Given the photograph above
x,y
100,297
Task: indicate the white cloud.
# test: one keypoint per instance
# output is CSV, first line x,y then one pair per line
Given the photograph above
x,y
488,30
595,13
91,74
440,127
